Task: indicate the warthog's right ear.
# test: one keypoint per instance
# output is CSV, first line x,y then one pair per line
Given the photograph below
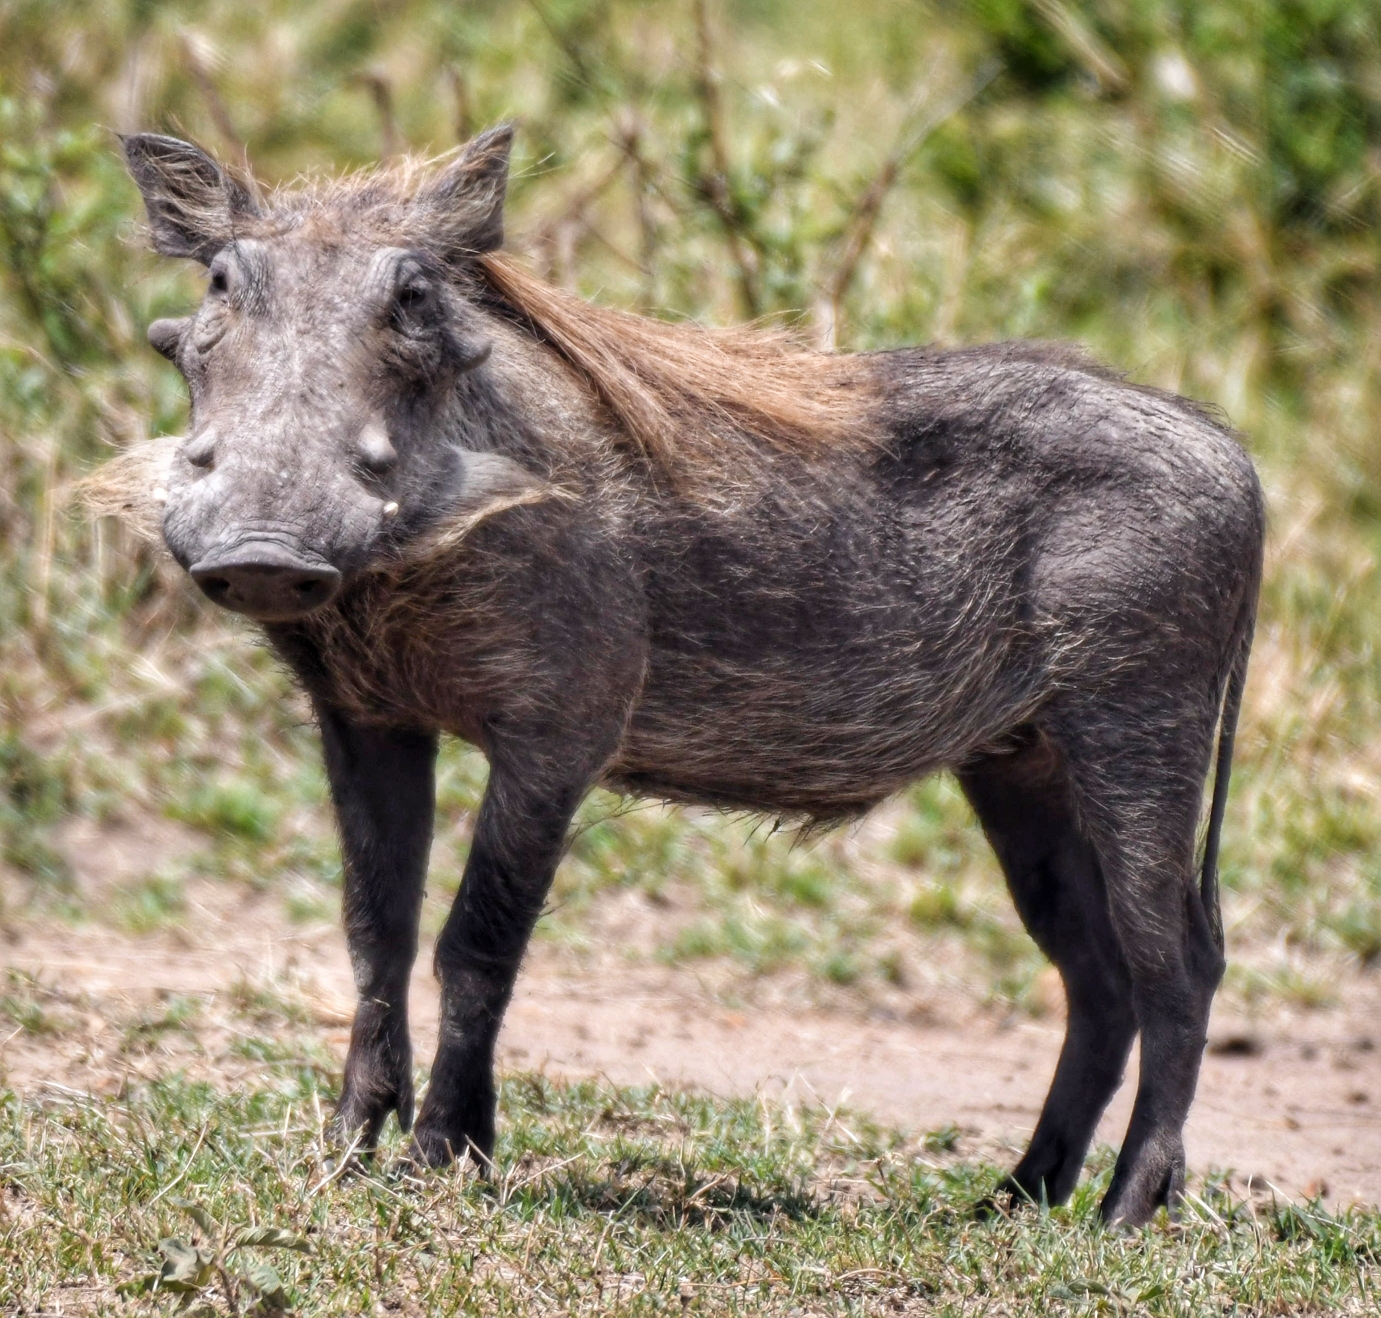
x,y
192,202
462,208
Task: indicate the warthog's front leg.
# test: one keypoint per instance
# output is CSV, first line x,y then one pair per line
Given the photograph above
x,y
518,841
383,789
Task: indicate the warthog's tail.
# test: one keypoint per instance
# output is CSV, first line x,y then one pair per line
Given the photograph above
x,y
1222,772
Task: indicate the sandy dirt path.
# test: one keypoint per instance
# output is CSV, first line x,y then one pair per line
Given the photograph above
x,y
1292,1101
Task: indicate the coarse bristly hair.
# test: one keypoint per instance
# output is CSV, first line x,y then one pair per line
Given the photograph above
x,y
684,396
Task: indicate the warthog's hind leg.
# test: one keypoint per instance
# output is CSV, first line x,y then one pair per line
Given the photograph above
x,y
1138,763
382,787
1025,805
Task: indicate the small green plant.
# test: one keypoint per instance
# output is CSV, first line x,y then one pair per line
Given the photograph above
x,y
938,905
235,808
937,833
265,1006
943,1140
153,902
1359,929
34,793
307,904
30,1005
192,1270
174,1014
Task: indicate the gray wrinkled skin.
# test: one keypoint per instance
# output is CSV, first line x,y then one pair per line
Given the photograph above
x,y
307,351
1039,577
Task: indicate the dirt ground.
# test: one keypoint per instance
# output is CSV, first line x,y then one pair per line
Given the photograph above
x,y
1289,1100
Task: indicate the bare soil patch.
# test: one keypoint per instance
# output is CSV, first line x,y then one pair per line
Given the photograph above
x,y
1289,1100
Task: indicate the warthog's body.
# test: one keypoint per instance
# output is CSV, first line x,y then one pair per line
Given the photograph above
x,y
710,569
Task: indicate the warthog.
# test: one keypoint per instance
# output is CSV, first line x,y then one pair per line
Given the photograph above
x,y
702,566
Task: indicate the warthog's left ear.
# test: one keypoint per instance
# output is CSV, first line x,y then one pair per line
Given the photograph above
x,y
192,202
463,205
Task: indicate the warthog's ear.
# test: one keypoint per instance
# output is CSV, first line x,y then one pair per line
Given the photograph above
x,y
192,202
463,205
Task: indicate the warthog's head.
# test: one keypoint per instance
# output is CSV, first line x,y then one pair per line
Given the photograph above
x,y
331,337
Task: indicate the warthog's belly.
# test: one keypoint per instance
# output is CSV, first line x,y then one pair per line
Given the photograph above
x,y
827,733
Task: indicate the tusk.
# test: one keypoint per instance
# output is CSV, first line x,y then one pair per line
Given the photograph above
x,y
160,495
390,508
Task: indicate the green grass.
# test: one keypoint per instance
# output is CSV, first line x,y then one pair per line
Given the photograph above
x,y
607,1201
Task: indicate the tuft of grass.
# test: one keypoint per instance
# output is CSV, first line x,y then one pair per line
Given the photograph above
x,y
309,904
35,792
938,906
937,831
32,1006
636,1201
265,1005
234,808
173,1014
1359,929
154,902
1288,983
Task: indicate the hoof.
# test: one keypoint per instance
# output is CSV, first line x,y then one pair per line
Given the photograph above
x,y
456,1122
1137,1191
367,1098
1010,1196
431,1148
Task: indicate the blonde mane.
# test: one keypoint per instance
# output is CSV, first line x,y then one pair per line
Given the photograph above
x,y
686,395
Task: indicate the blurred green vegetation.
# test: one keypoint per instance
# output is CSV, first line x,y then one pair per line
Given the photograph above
x,y
1194,190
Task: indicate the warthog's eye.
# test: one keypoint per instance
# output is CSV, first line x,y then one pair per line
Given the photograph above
x,y
410,301
219,283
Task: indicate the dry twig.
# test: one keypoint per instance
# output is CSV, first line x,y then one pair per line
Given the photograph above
x,y
198,53
379,87
861,226
629,138
460,92
714,185
556,238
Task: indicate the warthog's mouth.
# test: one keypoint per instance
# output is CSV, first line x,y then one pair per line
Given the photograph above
x,y
265,580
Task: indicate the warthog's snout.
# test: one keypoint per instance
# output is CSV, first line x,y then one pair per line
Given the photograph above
x,y
266,581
